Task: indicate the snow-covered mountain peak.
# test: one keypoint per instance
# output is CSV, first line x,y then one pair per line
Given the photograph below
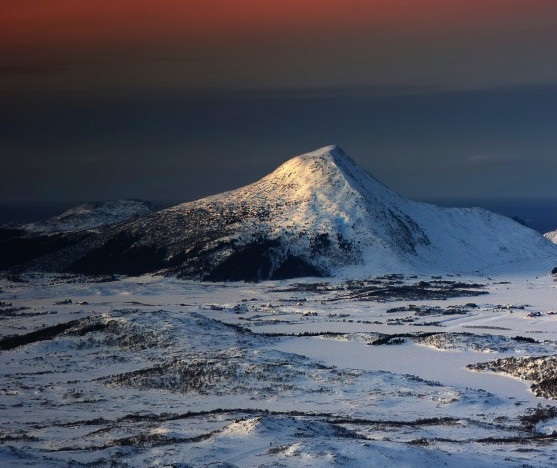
x,y
318,169
322,183
332,154
317,214
322,208
322,192
304,176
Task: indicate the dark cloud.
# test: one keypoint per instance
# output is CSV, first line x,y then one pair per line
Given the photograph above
x,y
424,144
487,162
29,69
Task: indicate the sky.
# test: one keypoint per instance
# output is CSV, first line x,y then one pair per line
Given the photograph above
x,y
175,100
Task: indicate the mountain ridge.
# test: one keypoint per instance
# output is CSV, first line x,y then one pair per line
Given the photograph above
x,y
92,215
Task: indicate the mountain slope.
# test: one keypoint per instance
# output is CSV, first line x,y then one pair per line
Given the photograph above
x,y
318,214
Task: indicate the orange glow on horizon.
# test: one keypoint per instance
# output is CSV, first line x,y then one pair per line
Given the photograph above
x,y
52,23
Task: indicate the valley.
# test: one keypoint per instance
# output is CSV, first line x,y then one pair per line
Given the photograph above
x,y
157,371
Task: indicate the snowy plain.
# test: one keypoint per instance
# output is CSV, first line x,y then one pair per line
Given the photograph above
x,y
155,371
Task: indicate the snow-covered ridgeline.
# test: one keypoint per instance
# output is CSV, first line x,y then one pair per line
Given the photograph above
x,y
93,215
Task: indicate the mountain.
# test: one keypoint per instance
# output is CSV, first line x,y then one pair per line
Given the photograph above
x,y
93,215
551,236
319,214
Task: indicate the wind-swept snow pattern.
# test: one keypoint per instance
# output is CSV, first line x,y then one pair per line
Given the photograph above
x,y
317,215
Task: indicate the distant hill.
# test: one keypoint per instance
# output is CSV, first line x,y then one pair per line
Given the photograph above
x,y
93,215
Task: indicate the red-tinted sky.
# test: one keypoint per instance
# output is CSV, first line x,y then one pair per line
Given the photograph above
x,y
276,43
145,98
54,22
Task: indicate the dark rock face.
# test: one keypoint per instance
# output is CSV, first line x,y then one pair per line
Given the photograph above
x,y
120,255
17,247
262,261
250,263
295,267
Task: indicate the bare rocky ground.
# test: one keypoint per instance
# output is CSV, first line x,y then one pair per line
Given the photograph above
x,y
154,371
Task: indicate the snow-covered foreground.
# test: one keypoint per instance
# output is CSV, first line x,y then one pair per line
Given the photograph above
x,y
153,371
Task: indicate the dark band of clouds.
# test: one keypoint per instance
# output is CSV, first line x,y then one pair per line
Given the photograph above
x,y
174,146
